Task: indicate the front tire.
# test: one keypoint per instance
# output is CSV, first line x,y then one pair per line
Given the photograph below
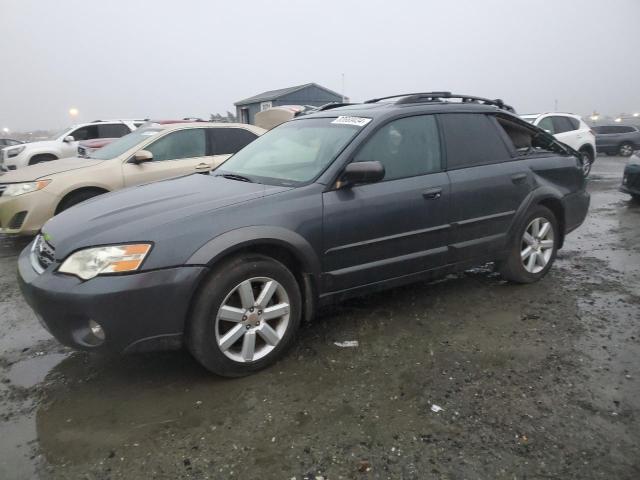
x,y
76,198
245,316
534,247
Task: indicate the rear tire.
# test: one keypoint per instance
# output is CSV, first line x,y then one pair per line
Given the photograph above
x,y
244,316
76,198
587,159
625,150
41,159
533,248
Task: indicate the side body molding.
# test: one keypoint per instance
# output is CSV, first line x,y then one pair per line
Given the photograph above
x,y
234,240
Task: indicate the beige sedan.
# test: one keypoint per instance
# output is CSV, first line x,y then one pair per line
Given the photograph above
x,y
32,195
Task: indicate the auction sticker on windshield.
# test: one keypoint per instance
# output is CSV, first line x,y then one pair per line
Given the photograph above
x,y
357,121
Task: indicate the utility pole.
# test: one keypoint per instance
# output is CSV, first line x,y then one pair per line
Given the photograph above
x,y
343,97
555,105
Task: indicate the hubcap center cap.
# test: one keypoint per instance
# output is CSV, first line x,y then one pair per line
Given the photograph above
x,y
253,318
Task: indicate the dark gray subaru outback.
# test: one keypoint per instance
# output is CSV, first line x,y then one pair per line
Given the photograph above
x,y
351,199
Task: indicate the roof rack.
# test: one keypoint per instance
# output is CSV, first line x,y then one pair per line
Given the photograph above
x,y
425,97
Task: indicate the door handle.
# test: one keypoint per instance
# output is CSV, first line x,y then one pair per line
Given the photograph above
x,y
432,193
518,177
202,166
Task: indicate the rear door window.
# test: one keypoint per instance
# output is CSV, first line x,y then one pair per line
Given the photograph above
x,y
113,130
406,147
187,143
472,139
229,140
547,124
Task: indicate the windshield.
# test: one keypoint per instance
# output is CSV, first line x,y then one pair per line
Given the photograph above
x,y
292,153
121,145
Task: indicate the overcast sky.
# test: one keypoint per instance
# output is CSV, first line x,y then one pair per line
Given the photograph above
x,y
164,58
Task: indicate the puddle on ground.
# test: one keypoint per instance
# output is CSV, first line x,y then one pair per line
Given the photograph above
x,y
30,372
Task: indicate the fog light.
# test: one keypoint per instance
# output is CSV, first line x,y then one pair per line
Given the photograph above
x,y
97,331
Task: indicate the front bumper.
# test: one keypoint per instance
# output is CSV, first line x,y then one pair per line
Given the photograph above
x,y
33,210
631,180
138,312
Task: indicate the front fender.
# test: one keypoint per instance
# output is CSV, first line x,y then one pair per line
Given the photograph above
x,y
227,243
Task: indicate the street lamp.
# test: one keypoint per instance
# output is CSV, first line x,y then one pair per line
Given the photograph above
x,y
636,114
6,130
73,111
618,120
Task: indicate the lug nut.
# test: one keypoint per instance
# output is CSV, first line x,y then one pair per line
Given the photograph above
x,y
248,327
259,312
251,309
244,317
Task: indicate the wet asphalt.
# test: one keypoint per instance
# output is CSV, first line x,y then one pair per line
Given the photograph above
x,y
466,377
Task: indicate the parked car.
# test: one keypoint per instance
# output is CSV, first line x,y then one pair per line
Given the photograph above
x,y
9,142
620,140
569,129
326,206
87,147
631,178
32,195
64,144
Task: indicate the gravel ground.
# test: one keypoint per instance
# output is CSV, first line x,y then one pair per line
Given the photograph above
x,y
536,381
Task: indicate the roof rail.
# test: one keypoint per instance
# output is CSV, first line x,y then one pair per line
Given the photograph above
x,y
434,94
329,106
426,97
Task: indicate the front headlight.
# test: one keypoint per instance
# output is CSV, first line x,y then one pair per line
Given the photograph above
x,y
15,189
91,262
14,152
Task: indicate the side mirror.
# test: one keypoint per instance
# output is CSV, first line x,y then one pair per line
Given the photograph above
x,y
142,156
69,139
361,172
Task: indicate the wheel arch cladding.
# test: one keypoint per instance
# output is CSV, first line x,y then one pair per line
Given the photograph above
x,y
555,205
285,246
547,197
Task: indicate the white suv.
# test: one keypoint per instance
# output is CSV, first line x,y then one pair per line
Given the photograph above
x,y
569,129
63,144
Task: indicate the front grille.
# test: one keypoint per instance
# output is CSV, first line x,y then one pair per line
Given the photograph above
x,y
43,253
17,220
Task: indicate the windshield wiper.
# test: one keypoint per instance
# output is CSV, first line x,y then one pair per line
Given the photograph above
x,y
235,176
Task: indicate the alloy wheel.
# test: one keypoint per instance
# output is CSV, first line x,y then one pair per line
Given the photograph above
x,y
537,245
626,150
586,163
252,319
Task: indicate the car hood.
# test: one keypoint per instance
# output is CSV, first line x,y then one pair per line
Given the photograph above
x,y
46,169
165,211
